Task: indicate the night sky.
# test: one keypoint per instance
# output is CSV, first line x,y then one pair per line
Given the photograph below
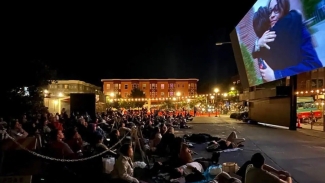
x,y
147,42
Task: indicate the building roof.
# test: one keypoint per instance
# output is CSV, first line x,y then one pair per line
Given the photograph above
x,y
75,82
152,79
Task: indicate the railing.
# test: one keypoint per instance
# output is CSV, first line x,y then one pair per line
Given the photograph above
x,y
318,15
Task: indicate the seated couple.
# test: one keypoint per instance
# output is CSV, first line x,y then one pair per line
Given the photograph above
x,y
256,171
231,142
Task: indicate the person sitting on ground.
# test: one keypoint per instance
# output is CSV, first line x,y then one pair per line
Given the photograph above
x,y
166,143
58,148
100,147
231,142
191,171
123,167
114,137
155,139
185,154
258,172
17,131
123,129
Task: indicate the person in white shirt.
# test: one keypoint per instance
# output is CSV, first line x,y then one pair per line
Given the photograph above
x,y
191,171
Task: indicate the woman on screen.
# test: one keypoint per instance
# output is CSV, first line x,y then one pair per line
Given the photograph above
x,y
286,45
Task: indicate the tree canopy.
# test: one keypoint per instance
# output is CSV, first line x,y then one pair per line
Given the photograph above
x,y
21,90
135,94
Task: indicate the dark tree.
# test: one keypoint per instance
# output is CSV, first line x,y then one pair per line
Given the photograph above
x,y
136,93
116,103
22,87
168,104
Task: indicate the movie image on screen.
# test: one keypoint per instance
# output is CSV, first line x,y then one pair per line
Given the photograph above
x,y
280,38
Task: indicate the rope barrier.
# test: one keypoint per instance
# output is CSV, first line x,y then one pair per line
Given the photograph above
x,y
65,160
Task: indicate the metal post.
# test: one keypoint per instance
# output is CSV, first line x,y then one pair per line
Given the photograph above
x,y
293,103
323,118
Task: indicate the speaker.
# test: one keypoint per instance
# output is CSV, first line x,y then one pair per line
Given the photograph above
x,y
82,103
283,91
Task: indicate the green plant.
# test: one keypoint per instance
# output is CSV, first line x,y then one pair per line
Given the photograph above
x,y
168,104
309,7
136,93
252,75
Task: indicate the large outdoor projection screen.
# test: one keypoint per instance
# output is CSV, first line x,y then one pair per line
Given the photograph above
x,y
280,38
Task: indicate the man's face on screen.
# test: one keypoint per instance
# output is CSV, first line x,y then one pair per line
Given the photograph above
x,y
274,12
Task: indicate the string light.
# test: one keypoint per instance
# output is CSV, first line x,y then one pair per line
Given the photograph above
x,y
317,91
167,98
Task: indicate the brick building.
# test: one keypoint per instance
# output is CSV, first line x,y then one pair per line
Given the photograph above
x,y
313,80
152,88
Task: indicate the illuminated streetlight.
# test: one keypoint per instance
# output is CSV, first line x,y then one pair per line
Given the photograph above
x,y
225,94
216,90
46,91
112,94
178,94
212,97
232,88
60,94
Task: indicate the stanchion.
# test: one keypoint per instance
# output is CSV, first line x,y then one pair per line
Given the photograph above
x,y
217,113
298,123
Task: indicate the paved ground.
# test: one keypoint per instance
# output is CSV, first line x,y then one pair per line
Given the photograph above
x,y
301,152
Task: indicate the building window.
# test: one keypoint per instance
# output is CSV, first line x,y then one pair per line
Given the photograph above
x,y
183,86
135,86
171,85
144,93
66,86
162,94
153,94
144,86
162,86
171,94
178,86
126,87
153,86
108,86
116,87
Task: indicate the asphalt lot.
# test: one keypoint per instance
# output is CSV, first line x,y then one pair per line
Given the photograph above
x,y
301,152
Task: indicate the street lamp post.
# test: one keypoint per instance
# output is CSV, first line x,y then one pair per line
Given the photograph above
x,y
216,91
222,43
178,94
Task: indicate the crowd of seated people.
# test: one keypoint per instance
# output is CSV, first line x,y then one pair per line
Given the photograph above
x,y
80,136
